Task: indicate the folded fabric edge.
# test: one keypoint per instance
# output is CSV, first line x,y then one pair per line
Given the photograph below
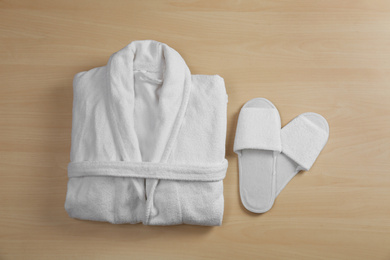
x,y
214,172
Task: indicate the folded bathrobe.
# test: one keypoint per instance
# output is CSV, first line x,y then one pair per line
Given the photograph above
x,y
148,141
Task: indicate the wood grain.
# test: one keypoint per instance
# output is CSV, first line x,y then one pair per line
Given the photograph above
x,y
330,57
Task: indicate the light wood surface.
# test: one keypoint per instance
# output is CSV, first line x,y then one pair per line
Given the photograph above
x,y
330,57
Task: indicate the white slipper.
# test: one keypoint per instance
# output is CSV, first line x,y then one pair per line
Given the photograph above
x,y
302,141
257,144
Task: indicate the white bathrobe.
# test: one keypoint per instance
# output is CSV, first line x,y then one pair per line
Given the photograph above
x,y
148,141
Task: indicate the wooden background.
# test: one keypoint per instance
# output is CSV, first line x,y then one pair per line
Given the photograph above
x,y
330,57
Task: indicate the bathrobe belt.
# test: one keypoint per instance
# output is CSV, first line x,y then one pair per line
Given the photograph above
x,y
181,172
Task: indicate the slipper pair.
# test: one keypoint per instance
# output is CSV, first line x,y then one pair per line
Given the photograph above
x,y
268,156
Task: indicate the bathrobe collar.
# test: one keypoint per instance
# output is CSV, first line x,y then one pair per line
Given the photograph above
x,y
174,95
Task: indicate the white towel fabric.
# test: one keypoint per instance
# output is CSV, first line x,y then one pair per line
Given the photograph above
x,y
302,141
257,144
264,171
148,141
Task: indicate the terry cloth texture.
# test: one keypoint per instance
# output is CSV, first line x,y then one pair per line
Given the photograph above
x,y
148,141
